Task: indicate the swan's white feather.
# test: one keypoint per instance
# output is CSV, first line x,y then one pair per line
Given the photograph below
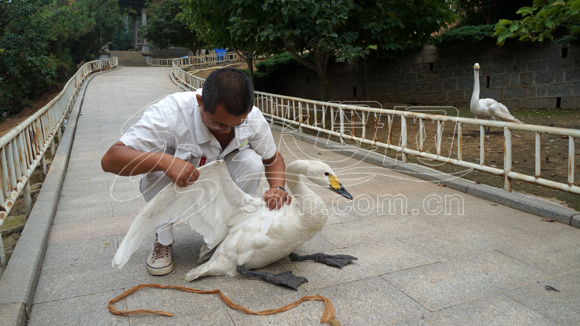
x,y
207,206
242,227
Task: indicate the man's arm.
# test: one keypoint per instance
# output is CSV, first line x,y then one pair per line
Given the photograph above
x,y
126,161
275,174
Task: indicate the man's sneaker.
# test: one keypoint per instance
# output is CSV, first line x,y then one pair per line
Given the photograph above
x,y
160,260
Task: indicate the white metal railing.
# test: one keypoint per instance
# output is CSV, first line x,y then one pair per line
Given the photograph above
x,y
333,119
161,62
353,120
23,148
211,58
188,80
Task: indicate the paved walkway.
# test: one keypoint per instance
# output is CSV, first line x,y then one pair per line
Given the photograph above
x,y
423,263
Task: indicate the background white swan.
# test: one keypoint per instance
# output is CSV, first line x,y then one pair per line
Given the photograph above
x,y
246,233
487,108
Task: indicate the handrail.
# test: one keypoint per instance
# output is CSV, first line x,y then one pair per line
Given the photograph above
x,y
211,58
23,147
322,117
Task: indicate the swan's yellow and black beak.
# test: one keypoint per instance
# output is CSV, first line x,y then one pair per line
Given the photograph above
x,y
337,187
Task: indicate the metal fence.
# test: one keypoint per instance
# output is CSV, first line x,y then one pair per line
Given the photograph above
x,y
198,60
161,62
361,125
24,147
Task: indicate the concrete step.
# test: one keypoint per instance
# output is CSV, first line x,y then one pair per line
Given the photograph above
x,y
130,58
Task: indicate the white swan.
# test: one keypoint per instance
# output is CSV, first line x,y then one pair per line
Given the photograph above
x,y
487,108
246,233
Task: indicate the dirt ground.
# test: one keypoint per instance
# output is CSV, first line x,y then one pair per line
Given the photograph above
x,y
9,123
554,149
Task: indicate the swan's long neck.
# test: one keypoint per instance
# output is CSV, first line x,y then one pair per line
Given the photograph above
x,y
475,96
311,206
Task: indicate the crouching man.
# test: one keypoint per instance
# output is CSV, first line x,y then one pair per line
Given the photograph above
x,y
184,131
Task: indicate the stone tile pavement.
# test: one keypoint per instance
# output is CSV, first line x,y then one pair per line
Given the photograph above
x,y
431,255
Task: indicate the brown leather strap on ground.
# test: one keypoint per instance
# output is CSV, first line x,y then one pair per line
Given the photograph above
x,y
327,315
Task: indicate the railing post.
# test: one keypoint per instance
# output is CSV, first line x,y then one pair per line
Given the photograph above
x,y
332,119
570,160
481,145
404,138
421,134
364,123
300,116
459,141
24,166
538,157
341,112
315,116
58,135
5,177
507,161
439,137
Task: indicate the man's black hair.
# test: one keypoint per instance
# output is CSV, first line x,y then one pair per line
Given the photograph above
x,y
230,88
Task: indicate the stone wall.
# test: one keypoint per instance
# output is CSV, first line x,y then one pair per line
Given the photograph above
x,y
520,75
170,53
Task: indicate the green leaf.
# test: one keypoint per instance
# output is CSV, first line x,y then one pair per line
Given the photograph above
x,y
501,39
524,11
575,5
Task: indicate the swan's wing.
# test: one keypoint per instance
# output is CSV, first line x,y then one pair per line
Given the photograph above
x,y
487,102
503,108
207,205
497,112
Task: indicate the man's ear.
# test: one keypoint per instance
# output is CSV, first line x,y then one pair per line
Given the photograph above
x,y
199,100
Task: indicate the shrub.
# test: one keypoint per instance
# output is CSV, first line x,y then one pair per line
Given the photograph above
x,y
277,64
466,34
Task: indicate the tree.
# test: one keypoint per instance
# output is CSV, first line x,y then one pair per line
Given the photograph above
x,y
214,21
165,29
302,26
42,41
486,12
104,18
541,21
391,26
25,64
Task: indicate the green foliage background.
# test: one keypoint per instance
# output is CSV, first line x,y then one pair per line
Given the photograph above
x,y
43,41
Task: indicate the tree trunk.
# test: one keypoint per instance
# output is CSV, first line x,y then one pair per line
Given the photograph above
x,y
249,58
321,62
362,67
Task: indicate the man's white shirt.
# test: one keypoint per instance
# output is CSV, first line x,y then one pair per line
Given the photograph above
x,y
174,126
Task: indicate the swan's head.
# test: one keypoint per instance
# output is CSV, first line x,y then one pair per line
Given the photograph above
x,y
321,174
476,67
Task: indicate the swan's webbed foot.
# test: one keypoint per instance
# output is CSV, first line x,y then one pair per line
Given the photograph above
x,y
286,278
330,260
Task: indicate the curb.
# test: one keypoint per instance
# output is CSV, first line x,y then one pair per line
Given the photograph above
x,y
19,280
524,203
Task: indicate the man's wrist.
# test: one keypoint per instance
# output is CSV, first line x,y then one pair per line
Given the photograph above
x,y
282,188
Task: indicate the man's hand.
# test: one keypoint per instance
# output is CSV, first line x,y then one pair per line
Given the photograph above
x,y
181,172
275,198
